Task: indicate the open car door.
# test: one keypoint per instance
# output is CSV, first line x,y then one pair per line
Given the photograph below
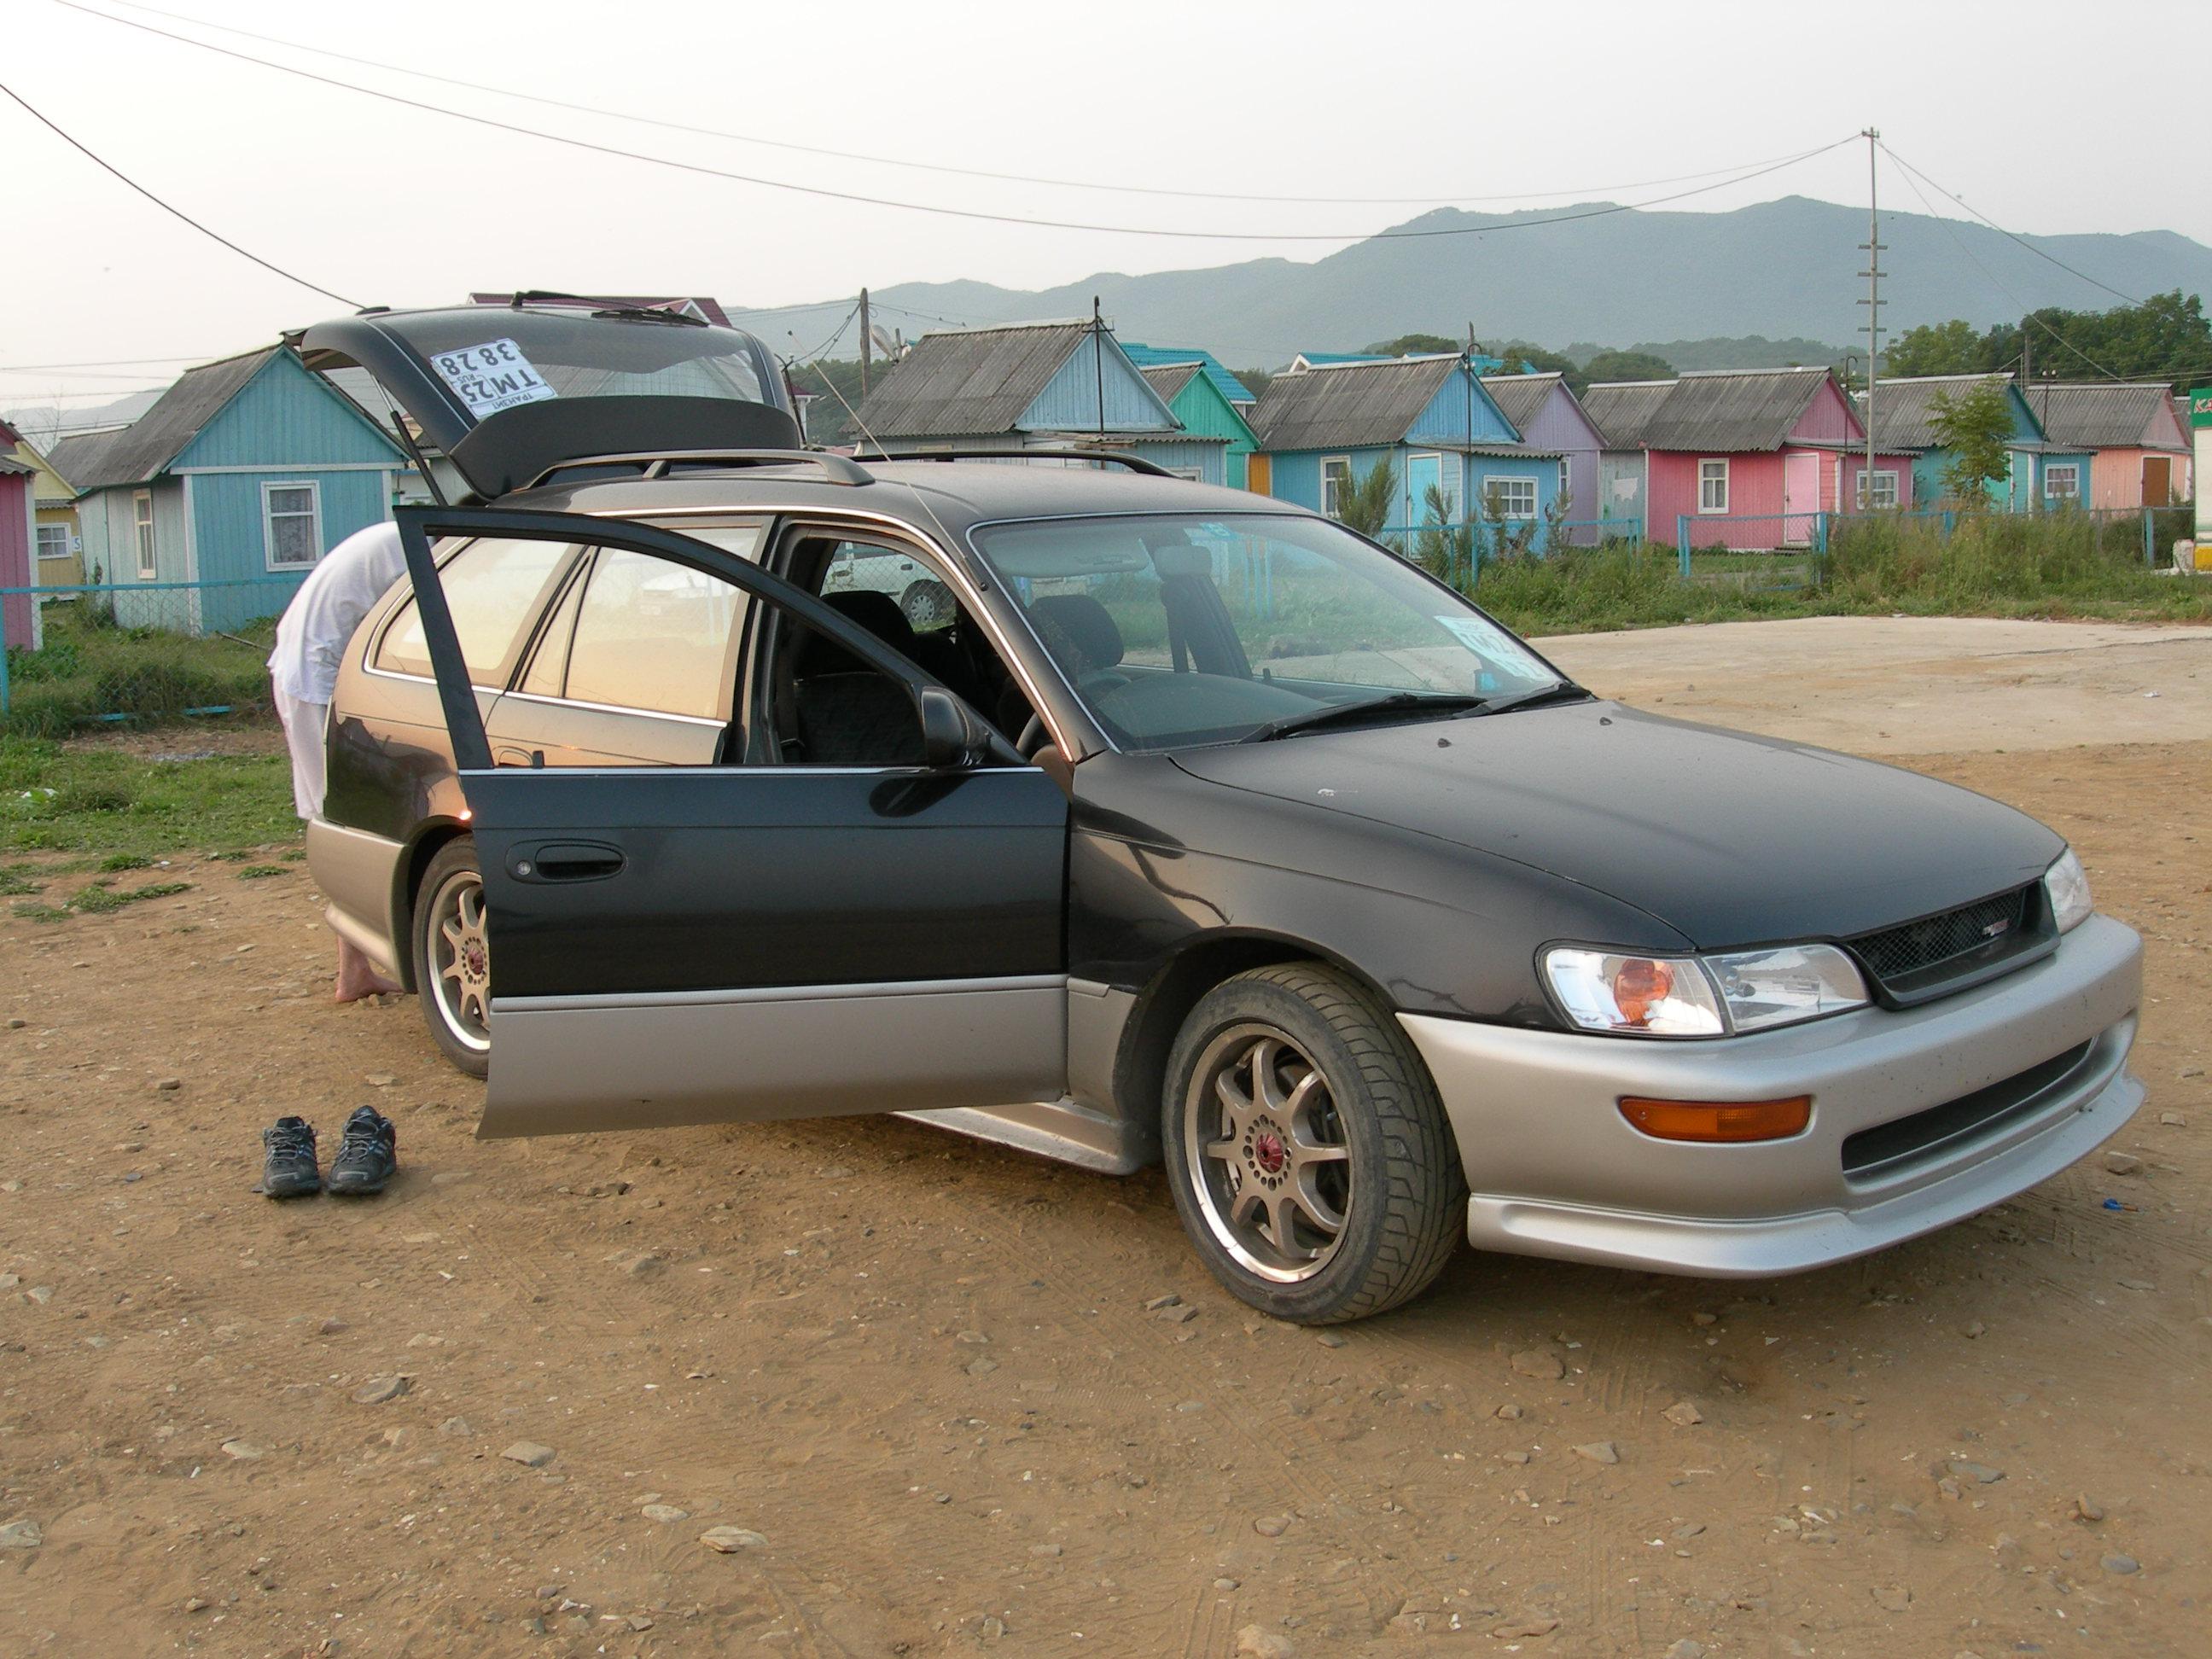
x,y
690,944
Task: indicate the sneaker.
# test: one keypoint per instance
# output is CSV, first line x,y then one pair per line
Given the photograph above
x,y
289,1170
368,1154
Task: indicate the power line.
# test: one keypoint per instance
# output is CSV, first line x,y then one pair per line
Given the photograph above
x,y
923,166
2039,252
176,212
808,357
100,362
859,198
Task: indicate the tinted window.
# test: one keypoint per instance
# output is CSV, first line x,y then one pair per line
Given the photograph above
x,y
492,588
653,636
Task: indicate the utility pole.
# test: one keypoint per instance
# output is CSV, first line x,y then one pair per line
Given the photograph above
x,y
864,343
1873,302
1098,360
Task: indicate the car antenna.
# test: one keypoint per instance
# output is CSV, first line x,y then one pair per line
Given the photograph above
x,y
407,443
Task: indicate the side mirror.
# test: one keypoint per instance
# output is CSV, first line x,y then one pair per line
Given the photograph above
x,y
949,735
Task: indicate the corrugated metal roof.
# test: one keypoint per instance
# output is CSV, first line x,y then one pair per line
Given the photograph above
x,y
1520,395
80,452
1621,410
1904,410
1152,356
970,381
12,467
1170,378
139,452
1351,406
2101,415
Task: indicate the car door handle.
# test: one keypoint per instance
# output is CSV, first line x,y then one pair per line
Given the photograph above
x,y
565,861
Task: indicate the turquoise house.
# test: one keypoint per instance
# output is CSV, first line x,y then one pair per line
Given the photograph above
x,y
1233,390
2040,476
1027,385
1215,444
237,480
1431,418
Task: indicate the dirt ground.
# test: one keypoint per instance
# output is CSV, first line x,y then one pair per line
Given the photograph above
x,y
919,1373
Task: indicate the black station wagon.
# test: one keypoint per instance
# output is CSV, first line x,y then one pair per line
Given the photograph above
x,y
1177,824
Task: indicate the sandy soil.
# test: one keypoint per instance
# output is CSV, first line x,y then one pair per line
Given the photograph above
x,y
921,1371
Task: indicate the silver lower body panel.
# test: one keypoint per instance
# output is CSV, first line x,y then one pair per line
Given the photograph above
x,y
359,874
1555,1170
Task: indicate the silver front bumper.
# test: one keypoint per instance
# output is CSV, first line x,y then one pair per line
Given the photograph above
x,y
1556,1171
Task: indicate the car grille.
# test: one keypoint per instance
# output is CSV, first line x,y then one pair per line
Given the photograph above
x,y
1920,959
1886,1147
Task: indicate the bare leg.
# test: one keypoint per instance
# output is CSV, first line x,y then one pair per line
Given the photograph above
x,y
357,977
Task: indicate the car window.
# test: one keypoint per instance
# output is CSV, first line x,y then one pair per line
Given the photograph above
x,y
655,636
866,567
549,663
492,588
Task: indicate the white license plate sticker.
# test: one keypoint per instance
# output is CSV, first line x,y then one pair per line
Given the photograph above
x,y
1493,645
490,377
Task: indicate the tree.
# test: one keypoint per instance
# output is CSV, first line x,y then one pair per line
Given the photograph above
x,y
1256,381
1973,425
1521,356
1951,347
1412,344
2166,337
1625,365
1442,548
1365,504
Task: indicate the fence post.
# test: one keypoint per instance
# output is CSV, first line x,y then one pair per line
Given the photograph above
x,y
2150,546
1682,543
3,656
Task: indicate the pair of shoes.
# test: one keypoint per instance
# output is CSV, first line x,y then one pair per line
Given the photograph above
x,y
368,1157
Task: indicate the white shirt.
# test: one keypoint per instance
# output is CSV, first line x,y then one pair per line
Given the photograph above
x,y
313,633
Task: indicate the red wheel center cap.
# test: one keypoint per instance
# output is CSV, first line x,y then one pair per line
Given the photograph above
x,y
1268,1153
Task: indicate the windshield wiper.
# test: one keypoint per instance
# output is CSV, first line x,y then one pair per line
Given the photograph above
x,y
1343,714
1565,692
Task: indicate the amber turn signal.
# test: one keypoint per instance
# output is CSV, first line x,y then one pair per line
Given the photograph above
x,y
1719,1120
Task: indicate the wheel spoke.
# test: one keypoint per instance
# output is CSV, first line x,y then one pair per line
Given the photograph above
x,y
452,931
1226,1151
1267,1087
1282,1210
1238,1104
1306,1192
454,970
468,905
1246,1200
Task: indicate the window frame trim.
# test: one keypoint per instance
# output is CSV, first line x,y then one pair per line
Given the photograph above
x,y
1335,515
269,517
2073,470
1516,480
1726,482
145,537
1865,494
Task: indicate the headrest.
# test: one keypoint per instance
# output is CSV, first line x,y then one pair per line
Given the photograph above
x,y
1084,623
877,612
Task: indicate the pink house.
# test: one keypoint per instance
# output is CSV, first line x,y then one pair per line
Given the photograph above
x,y
2138,445
1741,459
19,612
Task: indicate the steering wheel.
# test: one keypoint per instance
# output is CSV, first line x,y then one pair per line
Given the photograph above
x,y
1033,738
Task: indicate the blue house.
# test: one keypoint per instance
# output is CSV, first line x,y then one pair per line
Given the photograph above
x,y
243,475
2040,476
1025,386
1233,391
1430,418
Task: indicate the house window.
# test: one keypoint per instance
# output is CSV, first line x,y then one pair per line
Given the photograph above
x,y
2062,481
142,522
1335,479
1193,473
1508,498
291,525
1885,491
53,541
1712,486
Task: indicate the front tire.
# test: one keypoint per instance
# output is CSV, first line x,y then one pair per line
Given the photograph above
x,y
453,957
1308,1152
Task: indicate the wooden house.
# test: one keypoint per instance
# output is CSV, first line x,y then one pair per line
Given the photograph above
x,y
53,501
2132,435
242,475
1906,413
1545,412
1429,416
1024,386
1214,444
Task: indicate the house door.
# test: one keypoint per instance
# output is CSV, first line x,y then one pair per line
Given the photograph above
x,y
2157,480
769,938
1801,495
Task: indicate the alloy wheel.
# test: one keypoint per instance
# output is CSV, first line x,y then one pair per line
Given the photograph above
x,y
1266,1152
460,952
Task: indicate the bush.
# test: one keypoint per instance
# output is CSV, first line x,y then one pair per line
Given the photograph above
x,y
90,670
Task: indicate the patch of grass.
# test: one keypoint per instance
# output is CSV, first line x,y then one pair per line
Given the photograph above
x,y
261,872
90,669
99,900
56,796
16,878
125,861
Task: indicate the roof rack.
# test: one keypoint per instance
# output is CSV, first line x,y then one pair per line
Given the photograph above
x,y
657,464
1110,457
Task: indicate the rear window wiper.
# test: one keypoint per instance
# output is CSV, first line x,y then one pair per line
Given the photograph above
x,y
1342,714
1565,692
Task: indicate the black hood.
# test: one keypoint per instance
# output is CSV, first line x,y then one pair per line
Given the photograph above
x,y
1730,839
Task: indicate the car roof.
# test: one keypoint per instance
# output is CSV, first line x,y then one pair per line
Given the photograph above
x,y
956,495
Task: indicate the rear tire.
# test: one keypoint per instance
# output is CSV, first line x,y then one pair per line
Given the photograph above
x,y
453,957
1308,1151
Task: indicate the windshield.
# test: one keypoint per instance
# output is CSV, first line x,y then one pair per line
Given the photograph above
x,y
494,357
1177,631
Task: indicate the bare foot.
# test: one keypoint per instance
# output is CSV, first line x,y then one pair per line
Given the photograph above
x,y
358,978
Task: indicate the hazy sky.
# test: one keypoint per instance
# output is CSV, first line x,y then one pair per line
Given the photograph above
x,y
1492,106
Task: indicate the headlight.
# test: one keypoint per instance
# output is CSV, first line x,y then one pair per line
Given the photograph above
x,y
2067,887
1702,996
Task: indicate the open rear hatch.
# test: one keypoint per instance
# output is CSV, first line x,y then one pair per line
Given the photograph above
x,y
507,392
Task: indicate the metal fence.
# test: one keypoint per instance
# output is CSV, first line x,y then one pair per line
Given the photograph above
x,y
107,652
1703,539
1458,549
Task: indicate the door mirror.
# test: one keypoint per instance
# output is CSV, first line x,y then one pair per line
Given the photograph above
x,y
949,735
